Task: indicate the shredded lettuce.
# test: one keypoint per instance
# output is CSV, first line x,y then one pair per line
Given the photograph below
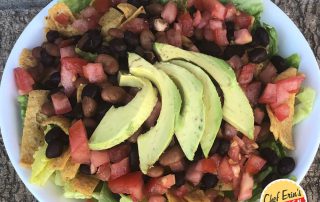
x,y
273,35
261,176
106,195
252,7
305,100
76,5
293,60
23,102
275,146
86,55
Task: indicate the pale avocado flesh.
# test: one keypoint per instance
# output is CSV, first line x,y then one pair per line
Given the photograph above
x,y
120,123
236,109
190,126
212,105
154,142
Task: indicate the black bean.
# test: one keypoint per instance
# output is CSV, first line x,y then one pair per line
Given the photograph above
x,y
150,57
269,155
76,38
131,39
257,55
65,139
54,149
113,79
102,110
180,179
223,147
138,3
76,112
230,30
52,35
261,37
85,169
118,45
143,16
123,63
46,59
198,155
105,50
279,63
53,81
154,9
215,146
90,131
286,165
209,48
270,178
53,134
90,41
134,158
139,50
91,90
233,50
208,181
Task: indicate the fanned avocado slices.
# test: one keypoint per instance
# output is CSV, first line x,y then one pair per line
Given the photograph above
x,y
236,108
190,126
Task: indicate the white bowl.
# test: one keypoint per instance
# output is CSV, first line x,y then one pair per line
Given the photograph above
x,y
307,133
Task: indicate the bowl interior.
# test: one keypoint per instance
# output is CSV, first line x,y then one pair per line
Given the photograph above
x,y
306,134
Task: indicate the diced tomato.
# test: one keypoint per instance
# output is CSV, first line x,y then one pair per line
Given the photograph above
x,y
196,18
292,84
246,74
249,145
174,37
235,62
160,185
119,152
236,185
182,190
234,151
216,9
81,25
61,103
131,183
209,165
220,37
157,198
104,172
178,166
253,92
268,73
80,152
68,51
282,97
186,22
136,25
119,169
281,112
231,12
243,21
24,80
99,157
225,173
269,94
198,4
258,115
254,164
94,72
208,34
170,11
246,187
206,16
242,36
193,175
101,6
215,24
62,19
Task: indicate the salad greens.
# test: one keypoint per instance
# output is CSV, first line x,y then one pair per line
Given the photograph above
x,y
305,100
252,7
76,5
275,146
293,60
69,193
86,55
273,35
23,102
106,195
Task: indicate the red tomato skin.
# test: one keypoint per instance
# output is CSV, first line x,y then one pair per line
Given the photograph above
x,y
246,74
119,152
217,9
292,85
197,18
157,198
67,52
119,169
131,183
80,152
243,21
269,94
159,186
234,151
102,6
104,172
62,19
225,173
281,112
24,80
170,12
209,165
94,72
61,103
99,158
220,37
254,164
186,22
231,12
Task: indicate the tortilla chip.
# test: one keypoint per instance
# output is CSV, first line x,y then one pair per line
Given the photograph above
x,y
134,15
79,92
70,170
196,196
60,162
32,136
62,122
127,9
83,184
282,130
26,59
172,198
111,19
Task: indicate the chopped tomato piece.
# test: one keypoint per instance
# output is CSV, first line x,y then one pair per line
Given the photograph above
x,y
282,97
136,25
119,169
269,94
254,164
209,165
119,152
61,103
80,152
243,21
242,36
246,187
220,37
253,91
81,25
215,24
170,11
104,172
246,74
193,175
281,112
62,19
157,198
131,183
94,72
24,80
186,24
216,9
234,151
231,12
292,84
225,173
208,34
101,6
204,20
67,52
160,185
196,18
99,157
182,190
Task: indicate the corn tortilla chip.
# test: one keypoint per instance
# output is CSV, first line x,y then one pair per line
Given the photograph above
x,y
111,19
26,59
196,196
282,130
70,170
127,9
134,15
32,136
83,184
172,198
62,122
60,162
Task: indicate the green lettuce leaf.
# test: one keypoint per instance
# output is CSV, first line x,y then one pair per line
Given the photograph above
x,y
261,176
252,7
23,102
275,146
293,60
125,198
182,4
86,55
106,195
76,5
305,100
273,47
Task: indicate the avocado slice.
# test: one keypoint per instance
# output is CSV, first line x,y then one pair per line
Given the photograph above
x,y
118,124
236,108
212,105
191,90
153,143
